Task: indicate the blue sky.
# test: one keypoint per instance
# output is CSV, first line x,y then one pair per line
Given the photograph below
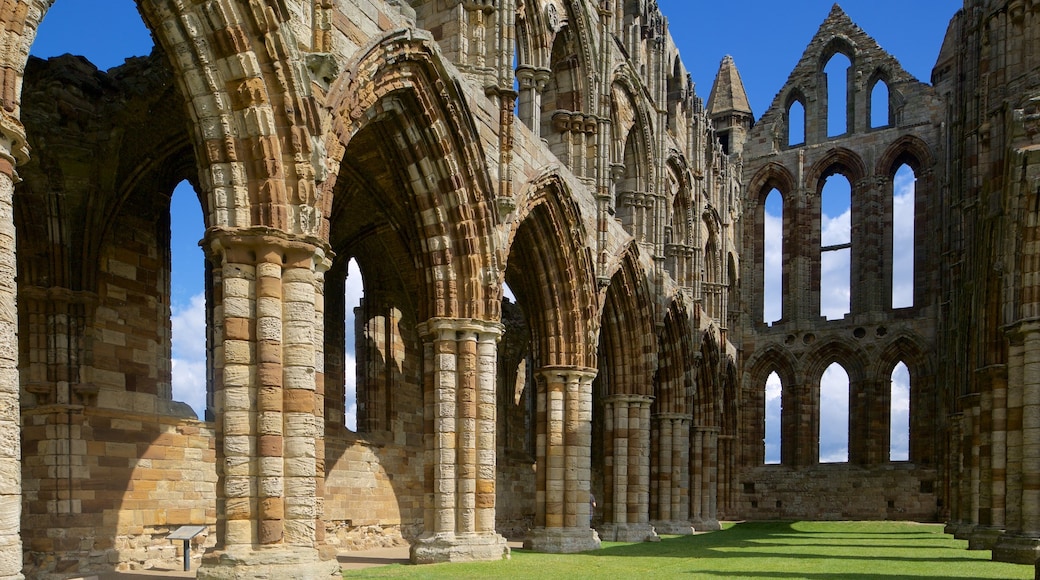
x,y
765,37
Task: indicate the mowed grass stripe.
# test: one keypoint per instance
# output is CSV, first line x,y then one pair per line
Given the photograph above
x,y
783,550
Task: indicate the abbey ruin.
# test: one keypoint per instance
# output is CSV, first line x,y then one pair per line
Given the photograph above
x,y
453,148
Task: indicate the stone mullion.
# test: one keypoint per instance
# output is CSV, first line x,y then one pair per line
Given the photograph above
x,y
270,418
487,409
665,484
444,431
303,435
235,401
10,420
466,466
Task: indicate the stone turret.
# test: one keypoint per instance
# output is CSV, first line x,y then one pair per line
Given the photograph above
x,y
729,108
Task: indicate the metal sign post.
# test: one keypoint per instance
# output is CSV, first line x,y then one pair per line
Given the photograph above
x,y
186,533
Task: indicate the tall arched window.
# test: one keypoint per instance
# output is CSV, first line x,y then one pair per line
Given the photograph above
x,y
795,123
903,201
834,415
835,247
353,295
187,299
772,260
880,116
837,73
899,414
774,408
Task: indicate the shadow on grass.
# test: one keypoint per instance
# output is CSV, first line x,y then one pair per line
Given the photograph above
x,y
780,540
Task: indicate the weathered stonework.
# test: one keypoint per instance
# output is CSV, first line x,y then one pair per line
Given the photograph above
x,y
554,148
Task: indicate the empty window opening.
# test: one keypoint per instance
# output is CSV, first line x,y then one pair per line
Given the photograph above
x,y
353,295
835,247
773,248
837,73
62,29
834,415
879,112
903,201
187,299
899,426
774,408
795,124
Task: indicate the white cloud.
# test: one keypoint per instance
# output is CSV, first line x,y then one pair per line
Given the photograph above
x,y
188,361
837,229
834,415
835,274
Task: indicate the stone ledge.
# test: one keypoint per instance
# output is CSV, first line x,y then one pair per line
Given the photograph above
x,y
275,562
628,533
562,540
449,547
1017,549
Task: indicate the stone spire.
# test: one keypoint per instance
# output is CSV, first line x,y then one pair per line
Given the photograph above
x,y
729,108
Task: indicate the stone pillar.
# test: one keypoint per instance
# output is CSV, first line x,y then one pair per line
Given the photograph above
x,y
970,459
460,363
955,474
628,425
532,83
705,476
992,457
563,451
10,425
673,477
269,420
1021,542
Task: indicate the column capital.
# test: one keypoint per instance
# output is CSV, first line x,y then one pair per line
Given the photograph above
x,y
568,372
14,150
672,417
486,330
628,398
251,245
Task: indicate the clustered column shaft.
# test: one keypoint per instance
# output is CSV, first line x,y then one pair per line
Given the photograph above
x,y
460,358
10,430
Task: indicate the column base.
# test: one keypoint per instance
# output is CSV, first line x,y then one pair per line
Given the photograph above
x,y
274,562
707,525
450,547
963,531
983,538
562,540
953,529
628,533
1017,549
673,528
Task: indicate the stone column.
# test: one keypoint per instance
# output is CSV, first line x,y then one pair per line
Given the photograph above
x,y
532,83
460,363
992,453
1021,542
673,478
10,425
705,476
630,473
563,451
270,430
970,457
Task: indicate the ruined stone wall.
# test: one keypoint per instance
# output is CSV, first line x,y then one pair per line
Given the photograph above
x,y
898,491
104,487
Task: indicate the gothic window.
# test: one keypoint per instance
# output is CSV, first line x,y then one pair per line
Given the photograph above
x,y
834,415
353,300
188,304
774,409
773,250
903,201
899,414
795,123
880,116
836,73
835,247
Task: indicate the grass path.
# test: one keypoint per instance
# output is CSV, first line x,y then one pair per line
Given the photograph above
x,y
814,550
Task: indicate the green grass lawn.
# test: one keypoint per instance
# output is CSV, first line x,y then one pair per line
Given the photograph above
x,y
818,550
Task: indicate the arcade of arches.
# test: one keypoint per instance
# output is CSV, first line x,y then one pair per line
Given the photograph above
x,y
684,285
